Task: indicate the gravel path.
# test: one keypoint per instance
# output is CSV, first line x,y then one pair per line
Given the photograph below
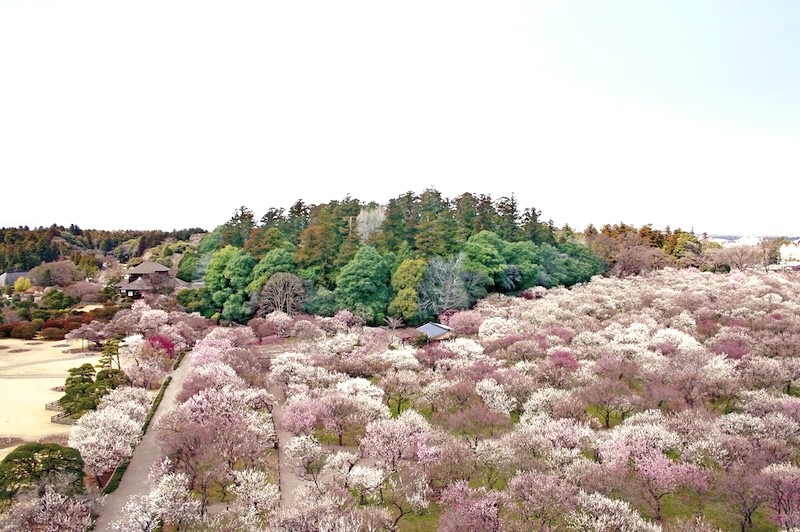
x,y
134,481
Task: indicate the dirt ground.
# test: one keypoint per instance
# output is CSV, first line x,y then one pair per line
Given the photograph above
x,y
29,372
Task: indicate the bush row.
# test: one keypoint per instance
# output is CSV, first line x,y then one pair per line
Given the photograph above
x,y
53,328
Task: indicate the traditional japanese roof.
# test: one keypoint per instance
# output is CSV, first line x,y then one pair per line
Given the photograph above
x,y
174,282
139,284
147,268
434,330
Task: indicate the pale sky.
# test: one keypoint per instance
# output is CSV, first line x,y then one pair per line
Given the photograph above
x,y
172,114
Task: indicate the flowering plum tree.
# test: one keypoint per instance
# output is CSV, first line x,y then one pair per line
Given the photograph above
x,y
215,430
537,501
49,511
306,456
470,509
390,441
108,435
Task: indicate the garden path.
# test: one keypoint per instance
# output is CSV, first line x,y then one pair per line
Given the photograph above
x,y
134,481
288,481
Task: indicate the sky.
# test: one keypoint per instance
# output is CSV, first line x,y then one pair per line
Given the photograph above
x,y
173,114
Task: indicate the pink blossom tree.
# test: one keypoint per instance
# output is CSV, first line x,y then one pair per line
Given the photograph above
x,y
391,441
50,511
471,509
660,476
214,431
537,501
782,482
302,414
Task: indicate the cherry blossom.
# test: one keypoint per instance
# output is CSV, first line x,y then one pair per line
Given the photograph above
x,y
48,512
599,513
495,396
537,501
105,438
306,456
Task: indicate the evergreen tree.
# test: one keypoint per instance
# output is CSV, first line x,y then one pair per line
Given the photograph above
x,y
236,231
276,260
363,285
399,224
229,273
483,253
465,217
508,219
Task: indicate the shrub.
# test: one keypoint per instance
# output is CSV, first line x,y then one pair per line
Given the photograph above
x,y
113,482
53,333
23,331
53,323
420,340
71,326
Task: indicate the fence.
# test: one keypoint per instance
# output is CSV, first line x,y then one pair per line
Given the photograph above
x,y
54,406
62,419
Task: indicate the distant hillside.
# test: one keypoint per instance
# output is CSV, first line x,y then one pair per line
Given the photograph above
x,y
22,248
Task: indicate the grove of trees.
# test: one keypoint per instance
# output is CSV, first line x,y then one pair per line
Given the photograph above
x,y
664,401
403,260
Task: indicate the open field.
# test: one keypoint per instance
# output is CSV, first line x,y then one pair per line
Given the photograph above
x,y
30,371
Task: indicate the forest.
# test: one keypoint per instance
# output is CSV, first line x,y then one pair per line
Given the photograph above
x,y
410,259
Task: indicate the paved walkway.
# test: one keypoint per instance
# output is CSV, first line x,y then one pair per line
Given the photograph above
x,y
288,481
134,481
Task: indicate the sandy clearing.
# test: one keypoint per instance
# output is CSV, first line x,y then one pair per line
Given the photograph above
x,y
22,413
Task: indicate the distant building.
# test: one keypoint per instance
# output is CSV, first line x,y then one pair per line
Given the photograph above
x,y
435,331
148,277
9,278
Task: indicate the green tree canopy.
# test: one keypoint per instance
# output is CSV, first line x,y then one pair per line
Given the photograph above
x,y
263,240
363,285
405,282
405,305
409,274
274,261
229,273
31,463
483,253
